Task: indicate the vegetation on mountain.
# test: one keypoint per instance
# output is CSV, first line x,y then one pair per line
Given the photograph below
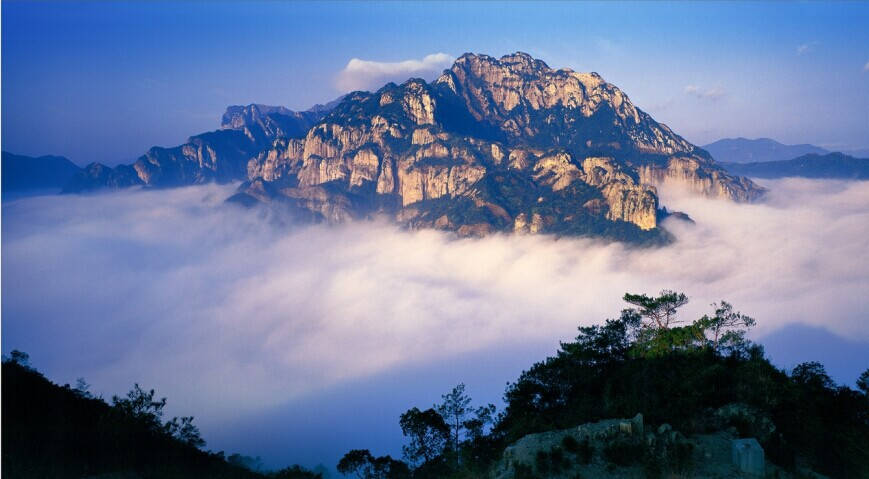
x,y
699,377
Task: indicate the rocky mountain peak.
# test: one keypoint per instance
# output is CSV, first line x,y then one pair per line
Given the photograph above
x,y
239,116
495,144
534,104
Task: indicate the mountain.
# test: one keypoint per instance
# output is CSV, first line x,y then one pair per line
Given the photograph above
x,y
22,173
220,155
505,144
832,165
859,153
743,150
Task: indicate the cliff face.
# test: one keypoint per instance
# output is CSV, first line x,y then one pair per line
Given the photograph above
x,y
503,144
702,177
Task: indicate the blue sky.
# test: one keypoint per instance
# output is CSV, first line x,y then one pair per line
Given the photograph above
x,y
105,81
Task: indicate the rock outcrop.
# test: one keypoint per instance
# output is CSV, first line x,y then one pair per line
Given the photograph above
x,y
700,176
628,448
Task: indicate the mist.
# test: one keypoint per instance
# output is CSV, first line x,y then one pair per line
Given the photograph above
x,y
298,342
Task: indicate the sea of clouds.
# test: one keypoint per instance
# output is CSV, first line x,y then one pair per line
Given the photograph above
x,y
236,313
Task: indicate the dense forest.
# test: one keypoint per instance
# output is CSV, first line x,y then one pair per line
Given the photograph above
x,y
676,373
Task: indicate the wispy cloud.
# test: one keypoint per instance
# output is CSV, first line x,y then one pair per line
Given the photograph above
x,y
866,67
367,74
806,48
711,94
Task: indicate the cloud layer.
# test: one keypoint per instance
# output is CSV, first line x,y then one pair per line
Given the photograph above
x,y
230,312
369,75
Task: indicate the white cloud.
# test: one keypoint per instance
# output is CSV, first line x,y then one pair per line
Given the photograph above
x,y
366,74
711,94
229,311
866,67
806,48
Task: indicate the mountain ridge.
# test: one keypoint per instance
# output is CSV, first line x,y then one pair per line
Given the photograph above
x,y
829,166
505,144
21,172
746,150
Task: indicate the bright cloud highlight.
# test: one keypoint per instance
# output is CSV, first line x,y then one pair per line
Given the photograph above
x,y
366,74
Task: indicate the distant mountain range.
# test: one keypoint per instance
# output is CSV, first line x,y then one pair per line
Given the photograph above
x,y
831,166
21,173
744,150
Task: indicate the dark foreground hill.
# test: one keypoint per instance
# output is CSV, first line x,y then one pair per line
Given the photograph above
x,y
829,166
689,392
52,431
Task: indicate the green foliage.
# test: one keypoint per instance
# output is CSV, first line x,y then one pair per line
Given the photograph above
x,y
247,462
454,409
140,405
295,472
362,464
183,429
660,311
812,375
20,358
726,327
428,433
863,382
483,416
